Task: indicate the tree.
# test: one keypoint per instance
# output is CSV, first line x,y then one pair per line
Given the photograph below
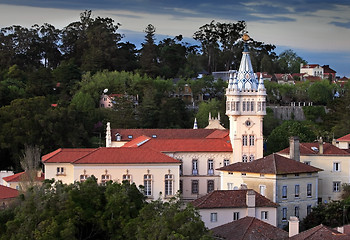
x,y
321,92
213,107
289,62
279,137
149,53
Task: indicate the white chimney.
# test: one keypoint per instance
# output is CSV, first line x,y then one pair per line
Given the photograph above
x,y
293,226
320,145
250,201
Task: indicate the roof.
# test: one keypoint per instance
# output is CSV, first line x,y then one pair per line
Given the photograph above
x,y
320,232
230,199
273,164
344,138
6,192
189,145
248,228
311,66
66,155
313,149
22,176
111,155
129,134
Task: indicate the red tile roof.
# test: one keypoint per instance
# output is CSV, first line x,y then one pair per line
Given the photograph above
x,y
111,156
189,145
137,141
320,232
249,228
230,199
313,149
344,138
66,155
164,133
6,192
273,164
22,176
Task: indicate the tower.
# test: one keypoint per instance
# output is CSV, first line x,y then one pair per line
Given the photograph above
x,y
246,107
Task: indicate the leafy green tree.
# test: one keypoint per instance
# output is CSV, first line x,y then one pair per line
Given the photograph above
x,y
321,92
279,137
289,62
270,122
214,107
173,114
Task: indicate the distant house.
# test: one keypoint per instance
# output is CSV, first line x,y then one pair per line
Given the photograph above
x,y
281,78
329,73
248,228
285,181
21,180
7,195
342,142
320,232
223,206
108,101
314,72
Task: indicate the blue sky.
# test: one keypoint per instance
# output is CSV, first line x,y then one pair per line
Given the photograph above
x,y
318,31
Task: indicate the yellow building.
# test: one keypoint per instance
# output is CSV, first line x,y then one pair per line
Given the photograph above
x,y
335,163
289,183
158,173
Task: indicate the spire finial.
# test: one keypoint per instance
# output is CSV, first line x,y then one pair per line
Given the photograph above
x,y
195,126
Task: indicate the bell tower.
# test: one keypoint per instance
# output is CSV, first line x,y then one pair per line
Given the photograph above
x,y
246,107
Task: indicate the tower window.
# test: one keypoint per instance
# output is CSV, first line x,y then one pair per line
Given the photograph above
x,y
248,106
244,158
251,140
244,140
244,104
251,106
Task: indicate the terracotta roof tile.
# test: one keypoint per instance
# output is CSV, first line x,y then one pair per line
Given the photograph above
x,y
137,141
273,164
313,149
66,155
344,138
189,145
249,228
164,133
230,199
125,156
22,176
6,192
320,232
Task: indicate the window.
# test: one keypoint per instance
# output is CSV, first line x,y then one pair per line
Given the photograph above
x,y
105,178
262,189
228,104
245,140
210,186
284,192
297,191
233,105
181,168
229,186
259,106
243,106
195,186
118,137
83,177
237,106
194,167
130,136
284,175
296,174
336,167
336,186
60,171
147,183
284,214
181,186
127,177
309,190
251,106
168,184
248,106
244,158
251,158
296,211
226,162
213,217
235,216
308,209
210,167
307,163
264,215
251,140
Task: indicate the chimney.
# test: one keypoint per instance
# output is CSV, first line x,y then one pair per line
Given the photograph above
x,y
294,148
320,145
108,135
293,226
250,201
340,229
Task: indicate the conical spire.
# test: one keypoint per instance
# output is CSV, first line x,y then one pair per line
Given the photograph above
x,y
261,83
195,125
245,78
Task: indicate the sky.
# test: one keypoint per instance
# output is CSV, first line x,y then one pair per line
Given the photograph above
x,y
318,31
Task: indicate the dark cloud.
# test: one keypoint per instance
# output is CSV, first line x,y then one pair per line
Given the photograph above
x,y
341,24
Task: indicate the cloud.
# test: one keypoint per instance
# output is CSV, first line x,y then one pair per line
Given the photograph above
x,y
341,24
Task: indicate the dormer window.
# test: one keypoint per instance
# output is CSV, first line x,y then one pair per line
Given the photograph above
x,y
130,136
118,137
154,135
314,149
